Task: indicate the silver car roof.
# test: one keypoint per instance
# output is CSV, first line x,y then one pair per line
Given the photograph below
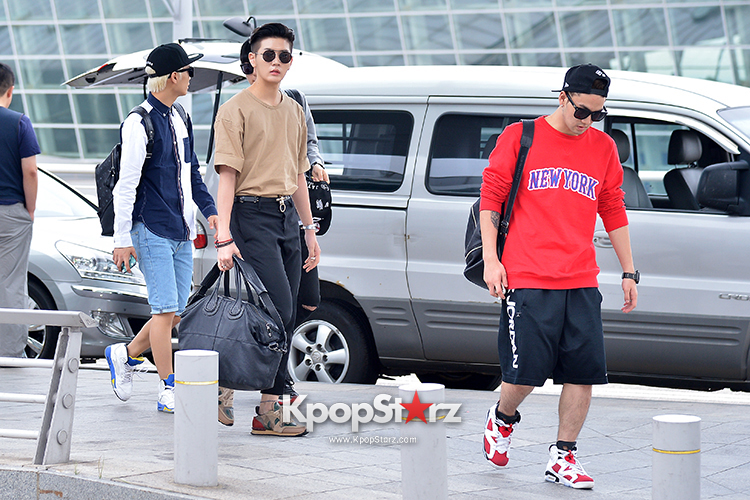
x,y
522,81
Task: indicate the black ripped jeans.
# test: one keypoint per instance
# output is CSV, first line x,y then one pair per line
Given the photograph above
x,y
269,240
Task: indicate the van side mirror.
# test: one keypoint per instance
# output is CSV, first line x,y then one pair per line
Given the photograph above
x,y
240,26
726,187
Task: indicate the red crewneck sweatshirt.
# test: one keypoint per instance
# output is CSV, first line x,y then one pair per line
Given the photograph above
x,y
566,181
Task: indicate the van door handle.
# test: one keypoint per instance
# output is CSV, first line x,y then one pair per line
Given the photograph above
x,y
601,239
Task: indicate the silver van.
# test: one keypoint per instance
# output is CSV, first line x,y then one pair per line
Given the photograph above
x,y
405,148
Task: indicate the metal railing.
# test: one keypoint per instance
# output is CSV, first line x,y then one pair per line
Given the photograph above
x,y
54,437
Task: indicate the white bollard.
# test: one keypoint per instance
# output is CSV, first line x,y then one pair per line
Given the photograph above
x,y
196,433
676,458
424,463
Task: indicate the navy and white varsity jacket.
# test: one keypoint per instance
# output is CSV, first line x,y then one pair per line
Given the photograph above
x,y
163,193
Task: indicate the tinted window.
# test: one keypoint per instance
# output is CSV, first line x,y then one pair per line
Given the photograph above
x,y
461,146
364,150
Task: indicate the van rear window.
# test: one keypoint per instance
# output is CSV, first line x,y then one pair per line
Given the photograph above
x,y
364,150
461,146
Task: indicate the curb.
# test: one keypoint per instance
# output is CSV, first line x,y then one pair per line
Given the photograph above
x,y
37,484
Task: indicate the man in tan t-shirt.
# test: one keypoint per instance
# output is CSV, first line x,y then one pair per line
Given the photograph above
x,y
261,158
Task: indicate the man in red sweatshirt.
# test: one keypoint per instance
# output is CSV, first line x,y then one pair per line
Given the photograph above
x,y
552,324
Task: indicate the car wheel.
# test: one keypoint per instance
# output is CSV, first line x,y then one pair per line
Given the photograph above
x,y
476,381
331,346
42,339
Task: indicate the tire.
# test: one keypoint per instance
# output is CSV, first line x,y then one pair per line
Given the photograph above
x,y
332,346
42,339
476,381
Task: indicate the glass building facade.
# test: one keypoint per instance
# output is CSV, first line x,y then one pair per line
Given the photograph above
x,y
49,41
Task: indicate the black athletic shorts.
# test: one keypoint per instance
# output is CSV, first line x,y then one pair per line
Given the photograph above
x,y
555,333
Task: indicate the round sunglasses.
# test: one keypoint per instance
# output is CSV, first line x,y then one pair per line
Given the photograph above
x,y
583,113
269,55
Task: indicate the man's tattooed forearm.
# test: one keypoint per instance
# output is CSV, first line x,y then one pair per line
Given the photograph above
x,y
495,218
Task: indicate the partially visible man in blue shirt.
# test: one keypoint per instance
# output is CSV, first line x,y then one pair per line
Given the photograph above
x,y
155,217
18,185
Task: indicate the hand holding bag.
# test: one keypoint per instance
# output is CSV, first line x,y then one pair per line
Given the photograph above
x,y
248,334
320,203
474,270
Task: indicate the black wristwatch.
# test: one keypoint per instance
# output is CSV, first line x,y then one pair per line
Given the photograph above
x,y
636,276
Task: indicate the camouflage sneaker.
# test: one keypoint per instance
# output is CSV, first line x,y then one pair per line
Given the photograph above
x,y
226,406
271,423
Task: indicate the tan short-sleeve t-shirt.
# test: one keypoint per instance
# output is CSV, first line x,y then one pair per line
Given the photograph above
x,y
267,145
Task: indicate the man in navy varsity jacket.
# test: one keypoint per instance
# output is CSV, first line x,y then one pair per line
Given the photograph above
x,y
155,217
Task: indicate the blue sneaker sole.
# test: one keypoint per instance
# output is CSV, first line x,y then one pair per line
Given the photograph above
x,y
164,408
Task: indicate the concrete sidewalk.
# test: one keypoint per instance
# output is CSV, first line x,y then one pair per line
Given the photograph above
x,y
124,450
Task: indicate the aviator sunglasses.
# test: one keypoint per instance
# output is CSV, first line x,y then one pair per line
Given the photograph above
x,y
269,55
583,113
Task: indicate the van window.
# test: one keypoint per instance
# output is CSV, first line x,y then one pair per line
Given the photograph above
x,y
364,150
461,146
649,151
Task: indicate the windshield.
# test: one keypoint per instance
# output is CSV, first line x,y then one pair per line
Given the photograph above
x,y
739,117
56,199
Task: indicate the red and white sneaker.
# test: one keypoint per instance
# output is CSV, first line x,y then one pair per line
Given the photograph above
x,y
563,467
496,439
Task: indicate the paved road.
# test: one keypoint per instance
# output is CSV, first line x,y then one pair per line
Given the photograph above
x,y
125,449
130,444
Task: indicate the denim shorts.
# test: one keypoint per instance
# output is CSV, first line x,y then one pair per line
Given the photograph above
x,y
167,266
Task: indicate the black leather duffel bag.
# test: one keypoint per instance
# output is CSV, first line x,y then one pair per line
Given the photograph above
x,y
248,334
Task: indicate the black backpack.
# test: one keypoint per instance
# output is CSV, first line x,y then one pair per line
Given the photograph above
x,y
474,270
107,173
319,191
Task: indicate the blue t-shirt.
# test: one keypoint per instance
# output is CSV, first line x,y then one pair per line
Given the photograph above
x,y
17,141
27,143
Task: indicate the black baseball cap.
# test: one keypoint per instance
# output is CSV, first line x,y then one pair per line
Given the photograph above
x,y
168,58
581,78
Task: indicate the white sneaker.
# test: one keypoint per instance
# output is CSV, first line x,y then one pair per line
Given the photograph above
x,y
563,467
496,442
165,402
119,369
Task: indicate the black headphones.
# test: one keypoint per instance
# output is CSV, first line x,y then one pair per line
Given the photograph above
x,y
245,65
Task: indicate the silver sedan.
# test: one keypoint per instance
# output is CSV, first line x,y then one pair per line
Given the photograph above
x,y
71,268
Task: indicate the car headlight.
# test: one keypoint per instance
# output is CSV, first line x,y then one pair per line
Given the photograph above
x,y
110,323
97,264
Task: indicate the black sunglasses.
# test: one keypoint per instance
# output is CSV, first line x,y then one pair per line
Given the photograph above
x,y
269,55
190,71
583,113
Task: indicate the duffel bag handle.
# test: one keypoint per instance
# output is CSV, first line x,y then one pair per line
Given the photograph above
x,y
253,282
208,280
